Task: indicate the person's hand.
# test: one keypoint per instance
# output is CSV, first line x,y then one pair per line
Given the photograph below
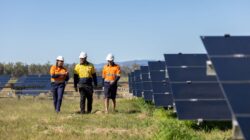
x,y
76,89
111,83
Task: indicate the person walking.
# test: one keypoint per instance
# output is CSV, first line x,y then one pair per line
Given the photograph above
x,y
59,77
84,76
111,74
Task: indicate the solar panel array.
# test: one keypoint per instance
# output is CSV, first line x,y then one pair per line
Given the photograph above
x,y
230,56
162,95
151,83
197,96
32,84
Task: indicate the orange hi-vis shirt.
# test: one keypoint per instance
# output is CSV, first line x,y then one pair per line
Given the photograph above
x,y
54,70
109,72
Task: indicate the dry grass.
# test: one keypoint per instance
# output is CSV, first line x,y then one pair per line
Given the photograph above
x,y
35,119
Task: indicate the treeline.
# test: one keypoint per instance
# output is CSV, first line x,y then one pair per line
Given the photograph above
x,y
19,69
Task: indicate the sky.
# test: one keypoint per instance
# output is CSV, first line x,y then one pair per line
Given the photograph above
x,y
37,31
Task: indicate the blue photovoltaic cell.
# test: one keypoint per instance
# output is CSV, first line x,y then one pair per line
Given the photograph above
x,y
147,95
244,123
232,69
144,69
161,87
156,65
197,91
238,94
206,110
158,75
138,89
218,45
163,100
147,85
145,77
189,74
185,60
137,75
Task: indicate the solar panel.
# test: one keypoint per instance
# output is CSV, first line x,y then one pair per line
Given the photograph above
x,y
176,60
232,69
163,100
137,75
244,123
158,75
144,69
197,91
147,85
138,83
205,110
145,77
189,74
218,45
238,95
161,87
156,65
232,55
147,95
138,89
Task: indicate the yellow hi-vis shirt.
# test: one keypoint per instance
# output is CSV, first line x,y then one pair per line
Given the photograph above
x,y
84,70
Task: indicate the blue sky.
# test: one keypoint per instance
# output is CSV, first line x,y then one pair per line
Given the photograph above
x,y
33,31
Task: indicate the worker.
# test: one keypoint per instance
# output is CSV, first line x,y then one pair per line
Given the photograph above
x,y
84,76
59,77
111,74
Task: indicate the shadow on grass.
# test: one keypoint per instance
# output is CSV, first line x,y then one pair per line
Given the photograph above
x,y
132,111
207,126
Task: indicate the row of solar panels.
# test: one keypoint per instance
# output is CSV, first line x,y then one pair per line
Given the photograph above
x,y
186,82
32,84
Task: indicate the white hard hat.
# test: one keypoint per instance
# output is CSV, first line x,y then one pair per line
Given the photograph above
x,y
83,55
110,57
60,58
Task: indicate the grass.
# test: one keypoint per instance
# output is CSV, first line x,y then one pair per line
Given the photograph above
x,y
135,120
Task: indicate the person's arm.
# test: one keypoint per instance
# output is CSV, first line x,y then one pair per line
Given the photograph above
x,y
67,77
76,78
55,76
103,76
94,79
117,78
117,75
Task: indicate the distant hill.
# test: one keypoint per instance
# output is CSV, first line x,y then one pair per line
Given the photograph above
x,y
125,63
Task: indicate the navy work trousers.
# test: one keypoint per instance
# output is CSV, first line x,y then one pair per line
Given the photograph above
x,y
57,90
